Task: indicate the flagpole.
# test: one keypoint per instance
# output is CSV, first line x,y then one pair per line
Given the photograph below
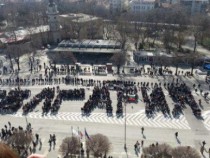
x,y
71,131
79,142
85,142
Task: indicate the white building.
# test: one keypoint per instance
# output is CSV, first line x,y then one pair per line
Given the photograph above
x,y
117,5
52,13
137,6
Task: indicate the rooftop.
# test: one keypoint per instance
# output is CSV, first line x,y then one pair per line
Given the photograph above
x,y
89,46
79,17
21,34
141,1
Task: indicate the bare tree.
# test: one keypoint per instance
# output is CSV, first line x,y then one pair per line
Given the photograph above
x,y
193,59
98,145
185,152
168,39
70,146
122,27
196,29
118,59
157,151
19,140
9,51
14,52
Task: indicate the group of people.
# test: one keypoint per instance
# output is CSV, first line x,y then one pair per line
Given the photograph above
x,y
155,101
100,98
46,93
158,101
20,139
11,102
182,95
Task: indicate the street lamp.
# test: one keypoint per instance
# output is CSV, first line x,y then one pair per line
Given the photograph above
x,y
125,99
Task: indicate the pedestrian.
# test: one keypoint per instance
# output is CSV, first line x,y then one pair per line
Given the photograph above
x,y
142,143
54,140
176,134
137,146
204,143
202,149
40,144
9,125
50,144
142,130
37,137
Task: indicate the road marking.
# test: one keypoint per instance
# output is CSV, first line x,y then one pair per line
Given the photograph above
x,y
140,119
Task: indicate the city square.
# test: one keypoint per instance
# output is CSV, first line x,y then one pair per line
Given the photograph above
x,y
104,79
159,128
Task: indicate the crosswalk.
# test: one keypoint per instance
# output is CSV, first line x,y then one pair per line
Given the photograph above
x,y
136,119
206,121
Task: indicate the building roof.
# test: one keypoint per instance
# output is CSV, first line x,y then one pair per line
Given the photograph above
x,y
89,46
136,2
22,34
86,43
87,50
80,18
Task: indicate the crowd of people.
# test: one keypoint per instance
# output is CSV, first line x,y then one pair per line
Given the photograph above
x,y
11,102
19,139
52,103
181,94
119,111
158,101
23,141
46,93
100,98
72,94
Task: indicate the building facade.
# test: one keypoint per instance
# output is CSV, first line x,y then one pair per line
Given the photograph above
x,y
52,13
117,6
195,6
137,6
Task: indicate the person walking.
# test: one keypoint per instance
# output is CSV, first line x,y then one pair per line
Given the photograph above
x,y
204,143
142,143
40,144
176,134
142,130
54,141
37,137
50,144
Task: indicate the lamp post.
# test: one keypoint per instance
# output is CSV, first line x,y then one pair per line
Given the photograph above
x,y
125,99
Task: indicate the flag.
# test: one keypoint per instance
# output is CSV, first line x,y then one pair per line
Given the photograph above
x,y
75,133
80,133
86,134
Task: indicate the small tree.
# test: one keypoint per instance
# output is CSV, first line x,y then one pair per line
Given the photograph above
x,y
70,145
185,152
98,145
157,151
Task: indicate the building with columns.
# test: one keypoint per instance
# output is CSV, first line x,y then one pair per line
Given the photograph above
x,y
52,13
